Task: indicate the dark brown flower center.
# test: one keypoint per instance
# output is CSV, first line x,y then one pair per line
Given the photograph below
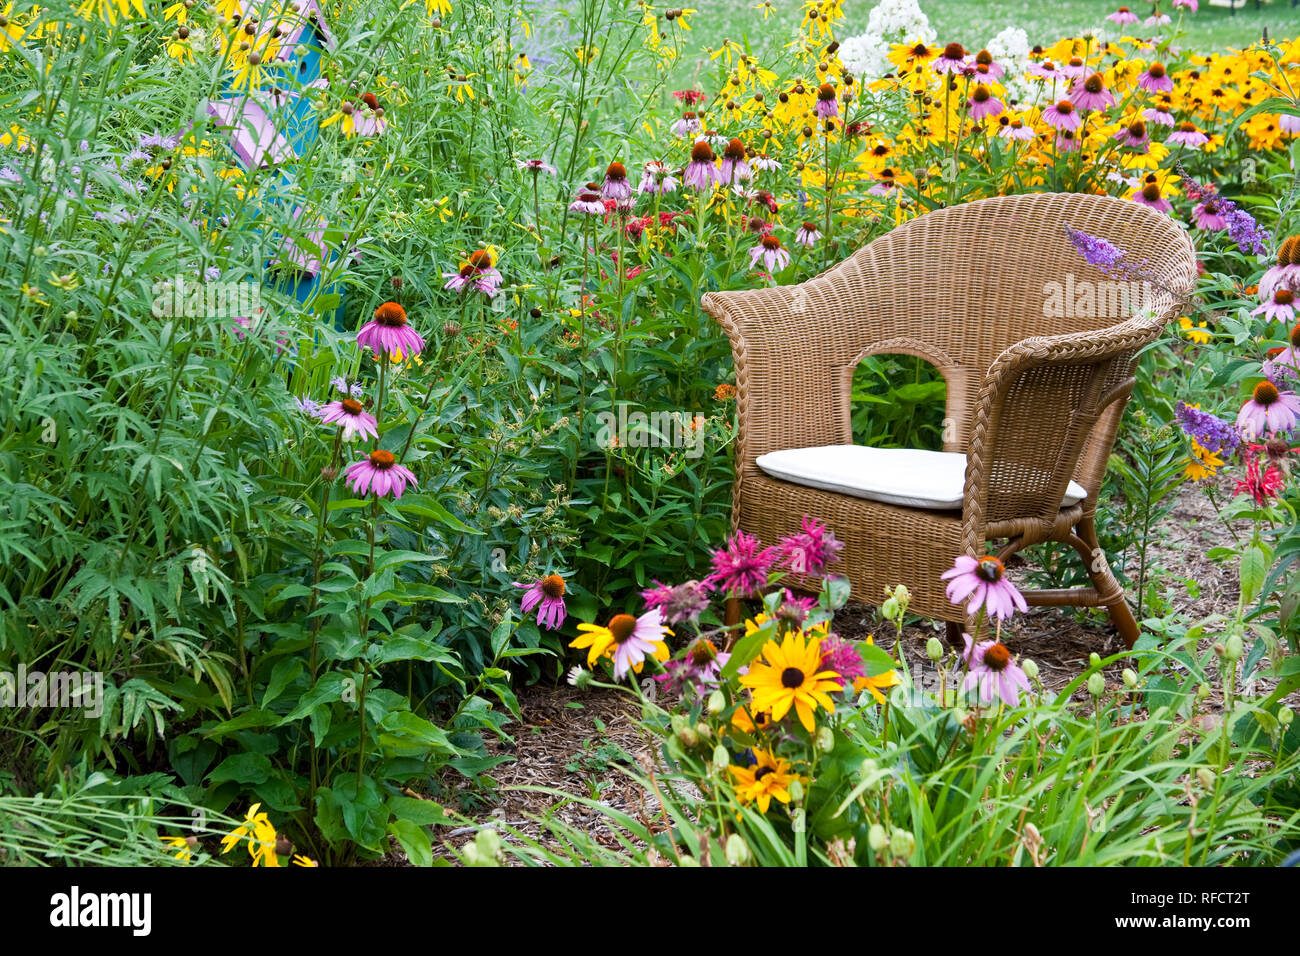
x,y
762,772
391,314
1065,107
954,51
1295,337
553,586
981,94
703,652
1283,297
810,227
997,657
825,92
1151,193
370,100
1093,83
1266,393
1211,207
351,406
480,259
1075,61
1137,130
791,678
984,57
770,241
920,50
1156,71
701,153
735,150
1288,254
383,460
622,626
990,569
616,172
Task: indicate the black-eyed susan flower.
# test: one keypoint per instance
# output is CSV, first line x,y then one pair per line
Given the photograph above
x,y
769,776
626,639
791,675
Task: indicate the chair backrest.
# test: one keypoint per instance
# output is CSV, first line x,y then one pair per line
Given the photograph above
x,y
1038,408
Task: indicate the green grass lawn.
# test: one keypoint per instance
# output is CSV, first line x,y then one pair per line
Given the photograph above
x,y
975,22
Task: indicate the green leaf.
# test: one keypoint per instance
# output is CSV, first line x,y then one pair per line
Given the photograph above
x,y
419,812
1254,567
414,840
246,768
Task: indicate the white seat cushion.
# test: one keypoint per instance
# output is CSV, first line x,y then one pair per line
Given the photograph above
x,y
898,476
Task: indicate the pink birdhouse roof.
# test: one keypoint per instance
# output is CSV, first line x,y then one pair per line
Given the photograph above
x,y
251,131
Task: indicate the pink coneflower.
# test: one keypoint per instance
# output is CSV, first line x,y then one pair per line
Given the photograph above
x,y
688,125
1281,307
991,669
769,249
1157,19
379,472
700,172
986,68
1208,216
811,548
588,202
536,166
741,567
1150,196
370,120
616,186
1074,67
795,609
1158,114
356,421
1122,16
1156,79
1134,136
1269,409
951,60
842,657
1286,273
549,593
807,235
983,103
1067,142
699,670
1061,115
1091,93
764,163
476,271
631,639
1261,481
685,602
1187,135
826,105
1015,129
388,332
1047,70
1189,4
985,582
734,165
656,178
1289,123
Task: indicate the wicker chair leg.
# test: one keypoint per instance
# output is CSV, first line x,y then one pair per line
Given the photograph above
x,y
953,631
1108,589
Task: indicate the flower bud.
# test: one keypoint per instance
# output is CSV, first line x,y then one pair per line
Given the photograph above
x,y
688,860
1030,667
1130,678
1202,692
796,790
720,757
1284,716
704,731
329,472
1094,659
1233,647
877,839
580,677
934,649
1219,649
825,739
1206,776
901,844
717,702
283,845
1096,685
737,850
889,609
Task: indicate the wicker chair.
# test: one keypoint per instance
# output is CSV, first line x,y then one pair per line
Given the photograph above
x,y
1034,392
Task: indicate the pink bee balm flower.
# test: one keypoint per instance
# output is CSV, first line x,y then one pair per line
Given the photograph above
x,y
741,567
984,581
685,602
807,235
1261,481
1280,307
1156,79
840,656
389,332
700,172
1061,115
1209,217
983,103
1268,410
699,670
380,473
812,548
1091,94
769,249
826,106
356,421
547,592
991,669
1187,135
1122,16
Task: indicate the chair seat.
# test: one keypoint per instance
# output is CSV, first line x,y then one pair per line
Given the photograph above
x,y
910,477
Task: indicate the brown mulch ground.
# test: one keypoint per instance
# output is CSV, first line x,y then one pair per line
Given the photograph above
x,y
574,741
